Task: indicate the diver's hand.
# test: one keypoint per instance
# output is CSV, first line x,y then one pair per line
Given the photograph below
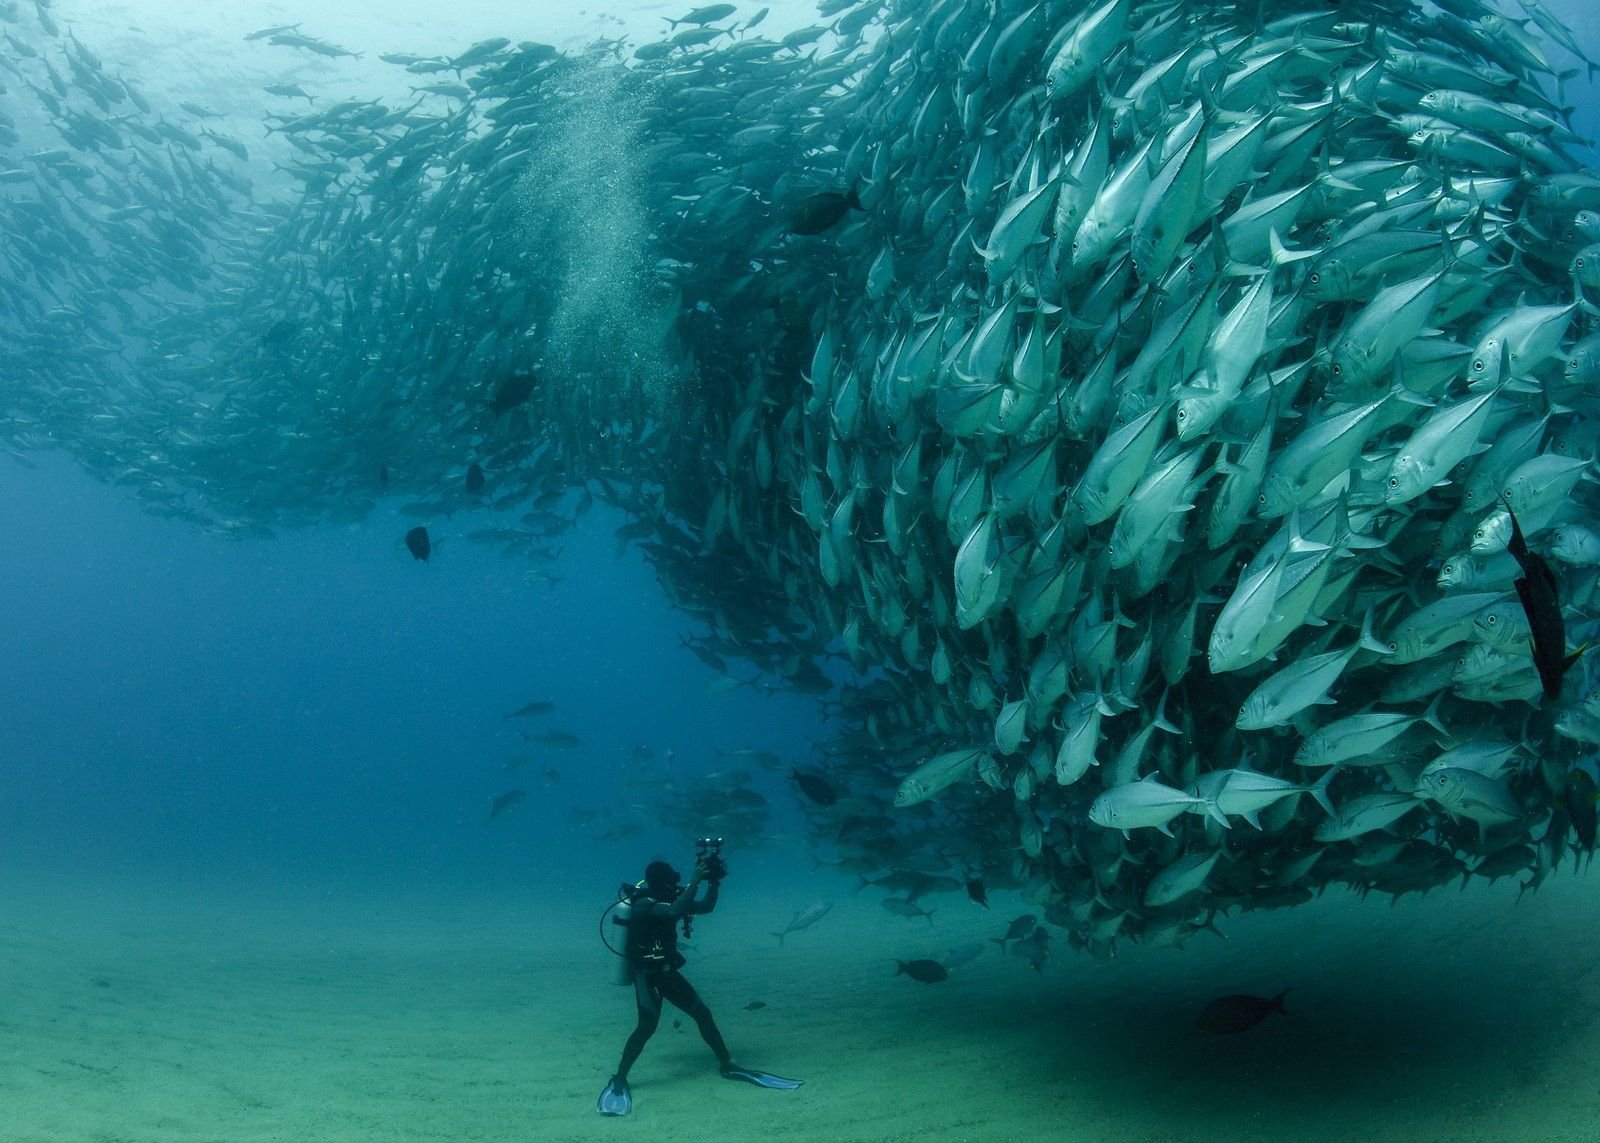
x,y
700,872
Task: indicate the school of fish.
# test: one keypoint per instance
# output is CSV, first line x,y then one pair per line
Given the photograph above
x,y
1164,430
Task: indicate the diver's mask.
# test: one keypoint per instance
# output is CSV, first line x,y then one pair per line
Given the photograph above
x,y
661,882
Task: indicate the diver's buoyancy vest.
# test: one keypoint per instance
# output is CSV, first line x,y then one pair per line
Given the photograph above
x,y
647,933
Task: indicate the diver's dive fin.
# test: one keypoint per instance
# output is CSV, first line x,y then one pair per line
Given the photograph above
x,y
616,1099
760,1079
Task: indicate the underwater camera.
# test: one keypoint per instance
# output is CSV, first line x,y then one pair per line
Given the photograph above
x,y
709,850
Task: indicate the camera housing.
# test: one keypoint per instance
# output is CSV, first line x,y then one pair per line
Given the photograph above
x,y
709,850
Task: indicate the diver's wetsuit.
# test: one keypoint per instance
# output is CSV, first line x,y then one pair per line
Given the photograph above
x,y
653,928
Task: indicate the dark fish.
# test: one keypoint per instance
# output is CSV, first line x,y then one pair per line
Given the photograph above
x,y
1034,948
503,802
513,391
1238,1013
1541,600
822,211
754,1005
1579,796
475,480
418,543
280,333
1018,929
710,658
927,971
533,709
977,891
1504,862
815,787
900,907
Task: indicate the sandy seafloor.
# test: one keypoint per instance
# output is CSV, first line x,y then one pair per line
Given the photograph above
x,y
158,1011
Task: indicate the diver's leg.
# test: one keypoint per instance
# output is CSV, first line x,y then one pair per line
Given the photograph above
x,y
647,997
682,994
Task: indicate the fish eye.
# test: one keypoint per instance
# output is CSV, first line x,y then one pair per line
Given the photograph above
x,y
1182,413
1477,365
1393,647
1316,276
1337,369
1394,482
1490,619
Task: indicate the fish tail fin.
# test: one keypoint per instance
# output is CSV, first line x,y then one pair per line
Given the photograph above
x,y
1297,541
1215,811
853,199
1573,657
780,937
1319,790
929,914
1001,941
899,966
1368,641
1431,715
1162,721
1277,1001
1281,254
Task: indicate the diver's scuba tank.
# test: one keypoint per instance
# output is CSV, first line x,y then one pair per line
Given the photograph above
x,y
621,916
621,913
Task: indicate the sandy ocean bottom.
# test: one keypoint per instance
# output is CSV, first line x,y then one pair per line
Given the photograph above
x,y
154,1011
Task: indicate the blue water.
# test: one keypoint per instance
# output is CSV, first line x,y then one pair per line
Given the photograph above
x,y
321,706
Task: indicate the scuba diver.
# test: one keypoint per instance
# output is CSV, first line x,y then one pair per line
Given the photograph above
x,y
651,912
